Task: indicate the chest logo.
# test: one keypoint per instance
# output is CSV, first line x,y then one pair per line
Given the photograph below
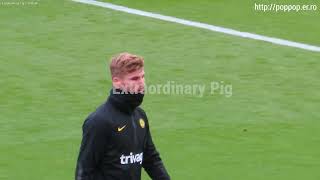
x,y
141,121
121,128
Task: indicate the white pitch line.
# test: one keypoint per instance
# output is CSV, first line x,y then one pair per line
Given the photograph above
x,y
233,32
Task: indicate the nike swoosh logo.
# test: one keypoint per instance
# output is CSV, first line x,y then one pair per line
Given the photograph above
x,y
120,129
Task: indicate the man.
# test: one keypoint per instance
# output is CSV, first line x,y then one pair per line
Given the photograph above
x,y
116,141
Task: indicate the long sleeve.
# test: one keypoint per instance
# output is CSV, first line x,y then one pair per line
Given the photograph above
x,y
94,140
152,162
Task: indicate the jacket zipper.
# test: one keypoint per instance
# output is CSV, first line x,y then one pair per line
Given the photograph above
x,y
134,130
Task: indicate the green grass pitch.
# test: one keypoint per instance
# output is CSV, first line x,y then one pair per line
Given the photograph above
x,y
53,67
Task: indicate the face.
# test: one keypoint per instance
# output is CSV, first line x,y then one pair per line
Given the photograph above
x,y
132,82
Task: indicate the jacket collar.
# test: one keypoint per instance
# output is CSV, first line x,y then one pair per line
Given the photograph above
x,y
125,101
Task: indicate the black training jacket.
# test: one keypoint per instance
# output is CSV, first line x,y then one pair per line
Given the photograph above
x,y
117,143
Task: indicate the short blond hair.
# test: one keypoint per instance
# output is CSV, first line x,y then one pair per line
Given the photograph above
x,y
124,63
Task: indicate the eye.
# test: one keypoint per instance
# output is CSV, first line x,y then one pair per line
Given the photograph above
x,y
135,78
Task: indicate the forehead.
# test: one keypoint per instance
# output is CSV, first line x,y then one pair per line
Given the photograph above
x,y
135,73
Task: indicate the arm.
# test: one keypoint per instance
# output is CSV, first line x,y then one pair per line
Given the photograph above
x,y
91,151
152,162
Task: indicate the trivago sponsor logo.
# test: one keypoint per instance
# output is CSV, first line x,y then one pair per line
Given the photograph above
x,y
131,159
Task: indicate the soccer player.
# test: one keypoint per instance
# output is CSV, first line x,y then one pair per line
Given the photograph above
x,y
116,141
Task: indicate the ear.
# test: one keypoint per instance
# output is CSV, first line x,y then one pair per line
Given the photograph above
x,y
116,82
